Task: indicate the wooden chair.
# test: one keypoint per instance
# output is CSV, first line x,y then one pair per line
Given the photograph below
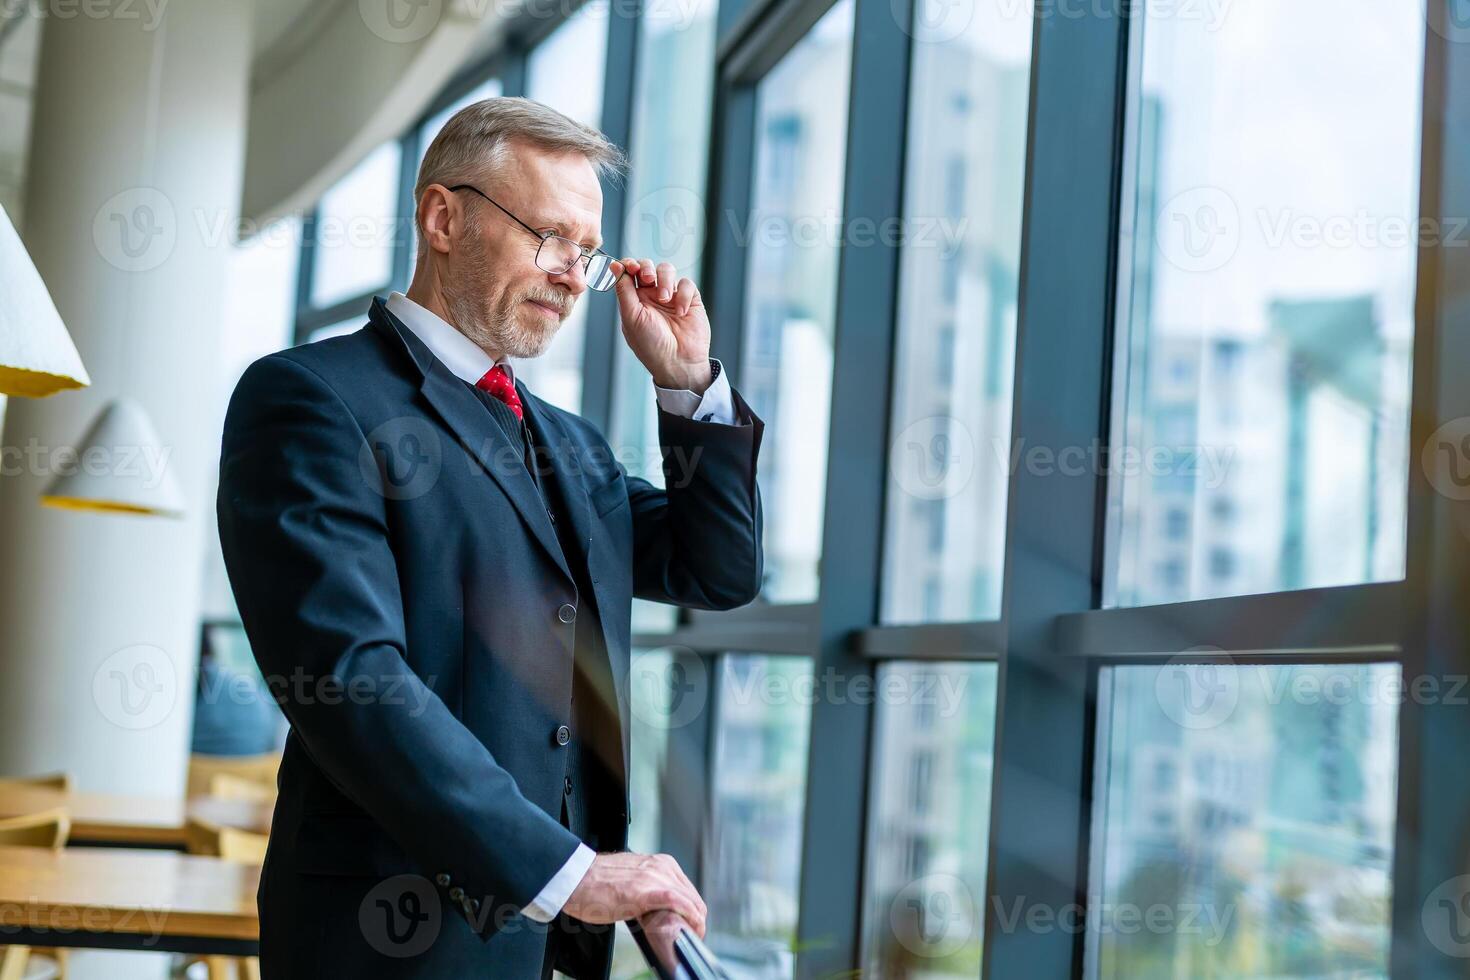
x,y
51,780
229,844
47,829
255,768
229,786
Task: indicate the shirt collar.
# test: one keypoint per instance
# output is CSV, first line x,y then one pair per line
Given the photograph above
x,y
464,358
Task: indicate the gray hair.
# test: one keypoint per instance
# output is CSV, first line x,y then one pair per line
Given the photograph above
x,y
475,142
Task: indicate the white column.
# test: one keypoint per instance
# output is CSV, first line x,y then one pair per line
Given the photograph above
x,y
133,190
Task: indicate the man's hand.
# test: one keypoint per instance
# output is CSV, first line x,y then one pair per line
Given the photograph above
x,y
662,928
664,323
626,886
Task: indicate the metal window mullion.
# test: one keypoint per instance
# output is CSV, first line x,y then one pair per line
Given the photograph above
x,y
619,95
305,270
829,928
686,783
1039,827
1350,617
407,211
1430,846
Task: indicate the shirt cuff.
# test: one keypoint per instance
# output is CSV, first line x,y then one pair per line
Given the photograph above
x,y
548,903
716,406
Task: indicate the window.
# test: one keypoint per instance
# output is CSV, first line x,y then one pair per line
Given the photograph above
x,y
929,820
356,229
791,291
339,329
957,311
488,89
1268,292
759,773
566,72
665,210
259,303
666,190
1266,849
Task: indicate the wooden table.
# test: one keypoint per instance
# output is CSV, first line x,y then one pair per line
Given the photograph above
x,y
133,821
147,901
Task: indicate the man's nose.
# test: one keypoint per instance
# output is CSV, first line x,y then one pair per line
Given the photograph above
x,y
574,278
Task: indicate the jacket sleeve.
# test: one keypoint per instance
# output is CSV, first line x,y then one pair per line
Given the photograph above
x,y
303,525
697,542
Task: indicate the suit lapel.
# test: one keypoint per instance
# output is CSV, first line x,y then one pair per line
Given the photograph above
x,y
555,450
480,436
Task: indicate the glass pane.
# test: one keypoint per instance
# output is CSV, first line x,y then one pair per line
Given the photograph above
x,y
355,225
666,183
350,325
759,772
1268,310
654,712
488,89
566,72
929,820
257,318
791,291
673,89
951,422
1244,821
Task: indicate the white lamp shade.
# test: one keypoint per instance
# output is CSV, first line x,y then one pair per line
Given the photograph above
x,y
121,467
37,356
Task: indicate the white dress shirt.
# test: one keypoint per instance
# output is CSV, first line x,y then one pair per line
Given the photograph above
x,y
467,361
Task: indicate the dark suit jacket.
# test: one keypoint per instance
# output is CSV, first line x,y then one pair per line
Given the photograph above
x,y
406,598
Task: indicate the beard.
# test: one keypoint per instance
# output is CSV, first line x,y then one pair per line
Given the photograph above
x,y
500,326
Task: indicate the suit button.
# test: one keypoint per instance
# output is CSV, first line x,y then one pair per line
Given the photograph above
x,y
456,893
563,735
567,612
569,786
442,880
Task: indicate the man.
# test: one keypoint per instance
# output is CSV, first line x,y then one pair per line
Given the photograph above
x,y
435,568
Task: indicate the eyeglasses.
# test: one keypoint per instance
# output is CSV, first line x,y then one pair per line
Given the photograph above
x,y
557,254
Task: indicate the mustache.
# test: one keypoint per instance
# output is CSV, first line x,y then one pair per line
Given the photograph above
x,y
561,304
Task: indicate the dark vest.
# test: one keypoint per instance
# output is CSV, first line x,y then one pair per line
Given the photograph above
x,y
592,802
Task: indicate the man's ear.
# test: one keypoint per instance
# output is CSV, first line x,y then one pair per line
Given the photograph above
x,y
436,213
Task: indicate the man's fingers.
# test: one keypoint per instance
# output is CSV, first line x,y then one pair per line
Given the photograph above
x,y
684,296
668,278
678,901
679,883
694,892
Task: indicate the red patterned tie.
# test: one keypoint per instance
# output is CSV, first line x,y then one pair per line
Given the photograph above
x,y
497,382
